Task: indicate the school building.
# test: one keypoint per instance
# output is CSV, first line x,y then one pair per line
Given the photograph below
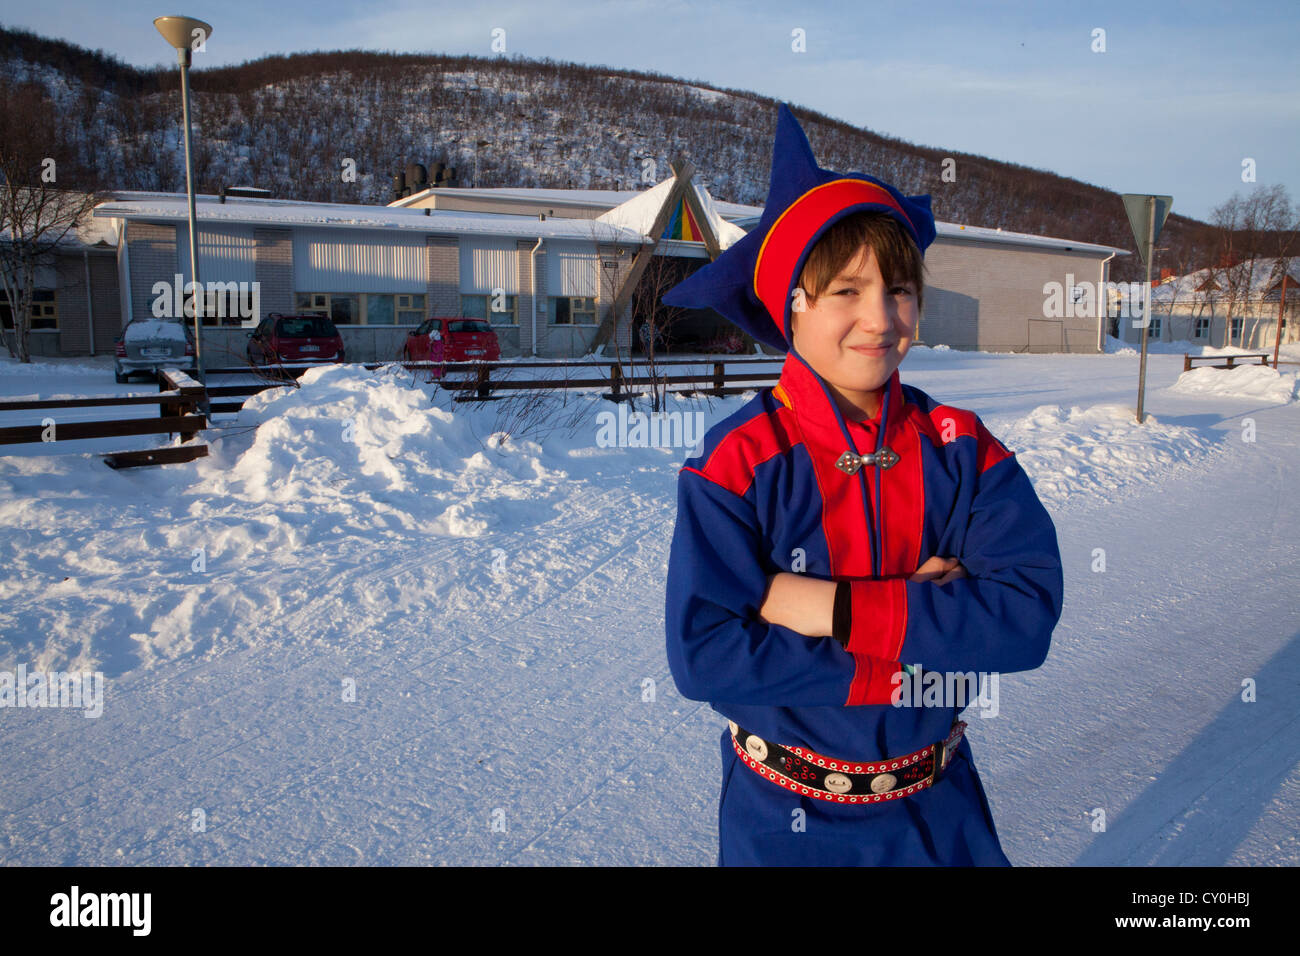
x,y
557,272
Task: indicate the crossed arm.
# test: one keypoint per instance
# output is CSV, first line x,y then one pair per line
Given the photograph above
x,y
807,605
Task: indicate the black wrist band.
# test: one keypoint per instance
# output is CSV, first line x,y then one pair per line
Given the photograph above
x,y
842,619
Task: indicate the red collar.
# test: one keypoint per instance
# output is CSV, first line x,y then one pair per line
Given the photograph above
x,y
802,391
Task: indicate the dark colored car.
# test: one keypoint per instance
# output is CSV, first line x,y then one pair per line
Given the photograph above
x,y
309,337
146,345
463,340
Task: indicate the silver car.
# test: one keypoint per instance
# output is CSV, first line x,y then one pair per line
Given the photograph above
x,y
147,345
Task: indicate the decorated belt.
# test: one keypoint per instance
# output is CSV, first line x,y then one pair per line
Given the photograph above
x,y
845,781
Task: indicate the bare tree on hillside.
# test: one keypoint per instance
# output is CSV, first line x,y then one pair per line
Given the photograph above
x,y
36,216
1255,232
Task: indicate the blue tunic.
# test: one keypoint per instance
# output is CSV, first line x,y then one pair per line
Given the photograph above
x,y
763,496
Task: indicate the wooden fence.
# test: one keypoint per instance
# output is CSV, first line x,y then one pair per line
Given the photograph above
x,y
489,381
185,404
180,401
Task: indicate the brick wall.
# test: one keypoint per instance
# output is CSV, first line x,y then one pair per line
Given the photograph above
x,y
152,251
525,300
442,296
273,269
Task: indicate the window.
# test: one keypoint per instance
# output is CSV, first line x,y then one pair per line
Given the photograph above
x,y
410,309
221,306
343,308
45,310
364,308
1153,332
478,307
379,309
1202,328
573,310
1236,329
45,313
313,302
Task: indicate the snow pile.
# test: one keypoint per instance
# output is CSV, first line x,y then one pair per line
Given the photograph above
x,y
1098,450
370,451
330,512
1116,346
1244,381
43,368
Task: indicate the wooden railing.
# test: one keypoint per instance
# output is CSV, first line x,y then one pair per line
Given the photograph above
x,y
180,400
184,404
1205,360
489,381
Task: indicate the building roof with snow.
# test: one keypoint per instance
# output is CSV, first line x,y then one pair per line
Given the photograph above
x,y
173,207
1253,278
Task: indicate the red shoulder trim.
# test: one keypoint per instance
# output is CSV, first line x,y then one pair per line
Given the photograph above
x,y
945,424
990,450
747,446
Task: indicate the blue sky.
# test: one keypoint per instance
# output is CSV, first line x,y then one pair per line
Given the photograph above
x,y
1183,93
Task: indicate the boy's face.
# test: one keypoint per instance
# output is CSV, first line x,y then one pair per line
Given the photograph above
x,y
856,333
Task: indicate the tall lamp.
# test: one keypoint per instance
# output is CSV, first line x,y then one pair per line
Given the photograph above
x,y
183,33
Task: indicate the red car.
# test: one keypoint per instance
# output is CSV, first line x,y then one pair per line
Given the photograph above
x,y
461,339
295,338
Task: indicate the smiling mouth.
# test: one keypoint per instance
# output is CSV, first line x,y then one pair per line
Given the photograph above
x,y
872,348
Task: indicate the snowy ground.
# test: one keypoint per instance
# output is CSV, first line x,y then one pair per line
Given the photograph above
x,y
498,607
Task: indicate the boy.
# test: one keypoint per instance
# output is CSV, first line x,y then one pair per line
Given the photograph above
x,y
837,528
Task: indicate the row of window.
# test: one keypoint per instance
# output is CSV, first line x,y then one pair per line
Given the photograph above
x,y
1200,328
45,310
369,308
349,308
366,308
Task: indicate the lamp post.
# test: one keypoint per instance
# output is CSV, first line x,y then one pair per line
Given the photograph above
x,y
185,33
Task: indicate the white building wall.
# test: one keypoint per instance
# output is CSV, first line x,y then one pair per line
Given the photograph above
x,y
487,264
226,253
358,260
572,269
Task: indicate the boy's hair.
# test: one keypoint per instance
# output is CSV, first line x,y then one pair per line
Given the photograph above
x,y
896,254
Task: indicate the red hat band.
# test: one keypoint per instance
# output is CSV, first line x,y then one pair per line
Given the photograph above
x,y
789,236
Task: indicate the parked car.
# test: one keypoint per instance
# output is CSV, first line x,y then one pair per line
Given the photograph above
x,y
462,339
310,337
428,343
146,345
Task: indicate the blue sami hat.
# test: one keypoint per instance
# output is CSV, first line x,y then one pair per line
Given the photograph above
x,y
753,281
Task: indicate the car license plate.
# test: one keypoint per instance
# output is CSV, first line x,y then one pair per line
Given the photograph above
x,y
474,351
156,353
310,348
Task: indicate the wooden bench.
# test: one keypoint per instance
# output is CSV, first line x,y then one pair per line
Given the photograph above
x,y
1229,359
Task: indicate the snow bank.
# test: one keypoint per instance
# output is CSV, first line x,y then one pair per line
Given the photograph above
x,y
1098,450
1244,381
360,498
370,449
43,367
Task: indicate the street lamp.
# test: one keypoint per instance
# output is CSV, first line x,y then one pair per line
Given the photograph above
x,y
186,33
